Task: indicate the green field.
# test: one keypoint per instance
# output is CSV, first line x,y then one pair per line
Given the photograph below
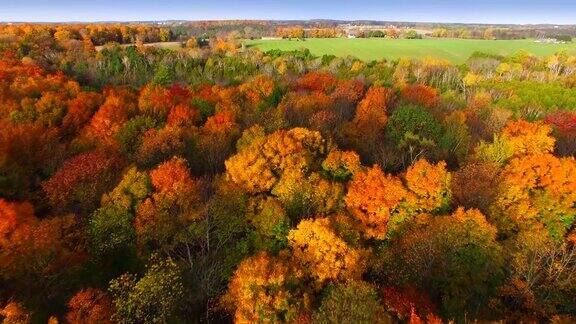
x,y
455,50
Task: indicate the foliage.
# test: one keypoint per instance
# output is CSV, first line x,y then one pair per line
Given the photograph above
x,y
265,288
322,254
373,198
155,297
350,302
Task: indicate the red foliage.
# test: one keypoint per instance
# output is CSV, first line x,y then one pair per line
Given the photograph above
x,y
90,306
421,94
80,110
183,115
171,175
81,178
404,301
350,90
563,121
316,81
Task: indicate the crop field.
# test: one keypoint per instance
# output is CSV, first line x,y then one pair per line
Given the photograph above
x,y
455,50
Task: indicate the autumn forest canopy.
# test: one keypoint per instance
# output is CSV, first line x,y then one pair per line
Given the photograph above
x,y
214,182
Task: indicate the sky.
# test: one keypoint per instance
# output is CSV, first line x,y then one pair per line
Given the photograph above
x,y
464,11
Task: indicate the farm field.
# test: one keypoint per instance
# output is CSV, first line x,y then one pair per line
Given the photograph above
x,y
368,49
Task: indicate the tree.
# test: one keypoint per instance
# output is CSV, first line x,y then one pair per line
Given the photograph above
x,y
254,168
412,34
15,313
429,186
405,302
414,130
90,306
475,185
350,302
322,254
341,165
37,256
367,128
374,198
541,284
564,124
420,94
538,190
266,288
456,259
316,81
216,140
155,297
129,136
173,205
271,222
258,89
81,180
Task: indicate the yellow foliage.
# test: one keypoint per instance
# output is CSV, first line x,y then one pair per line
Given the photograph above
x,y
429,185
322,254
540,189
258,166
259,292
529,138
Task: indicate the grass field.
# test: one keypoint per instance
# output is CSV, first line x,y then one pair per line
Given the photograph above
x,y
455,50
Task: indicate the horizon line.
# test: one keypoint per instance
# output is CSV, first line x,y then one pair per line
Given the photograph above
x,y
281,20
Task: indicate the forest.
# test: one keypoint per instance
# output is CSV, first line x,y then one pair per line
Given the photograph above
x,y
216,183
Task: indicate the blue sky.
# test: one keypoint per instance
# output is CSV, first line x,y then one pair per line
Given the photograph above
x,y
481,11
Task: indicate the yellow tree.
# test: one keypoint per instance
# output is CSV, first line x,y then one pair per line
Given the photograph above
x,y
539,190
265,289
257,166
322,254
518,138
429,185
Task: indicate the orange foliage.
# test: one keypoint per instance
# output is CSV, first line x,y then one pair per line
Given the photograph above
x,y
540,189
33,247
182,115
119,105
316,81
90,306
260,288
224,46
173,205
256,166
373,198
220,122
298,108
429,184
349,90
322,254
421,94
15,313
372,109
13,217
155,101
529,138
257,89
81,109
172,176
